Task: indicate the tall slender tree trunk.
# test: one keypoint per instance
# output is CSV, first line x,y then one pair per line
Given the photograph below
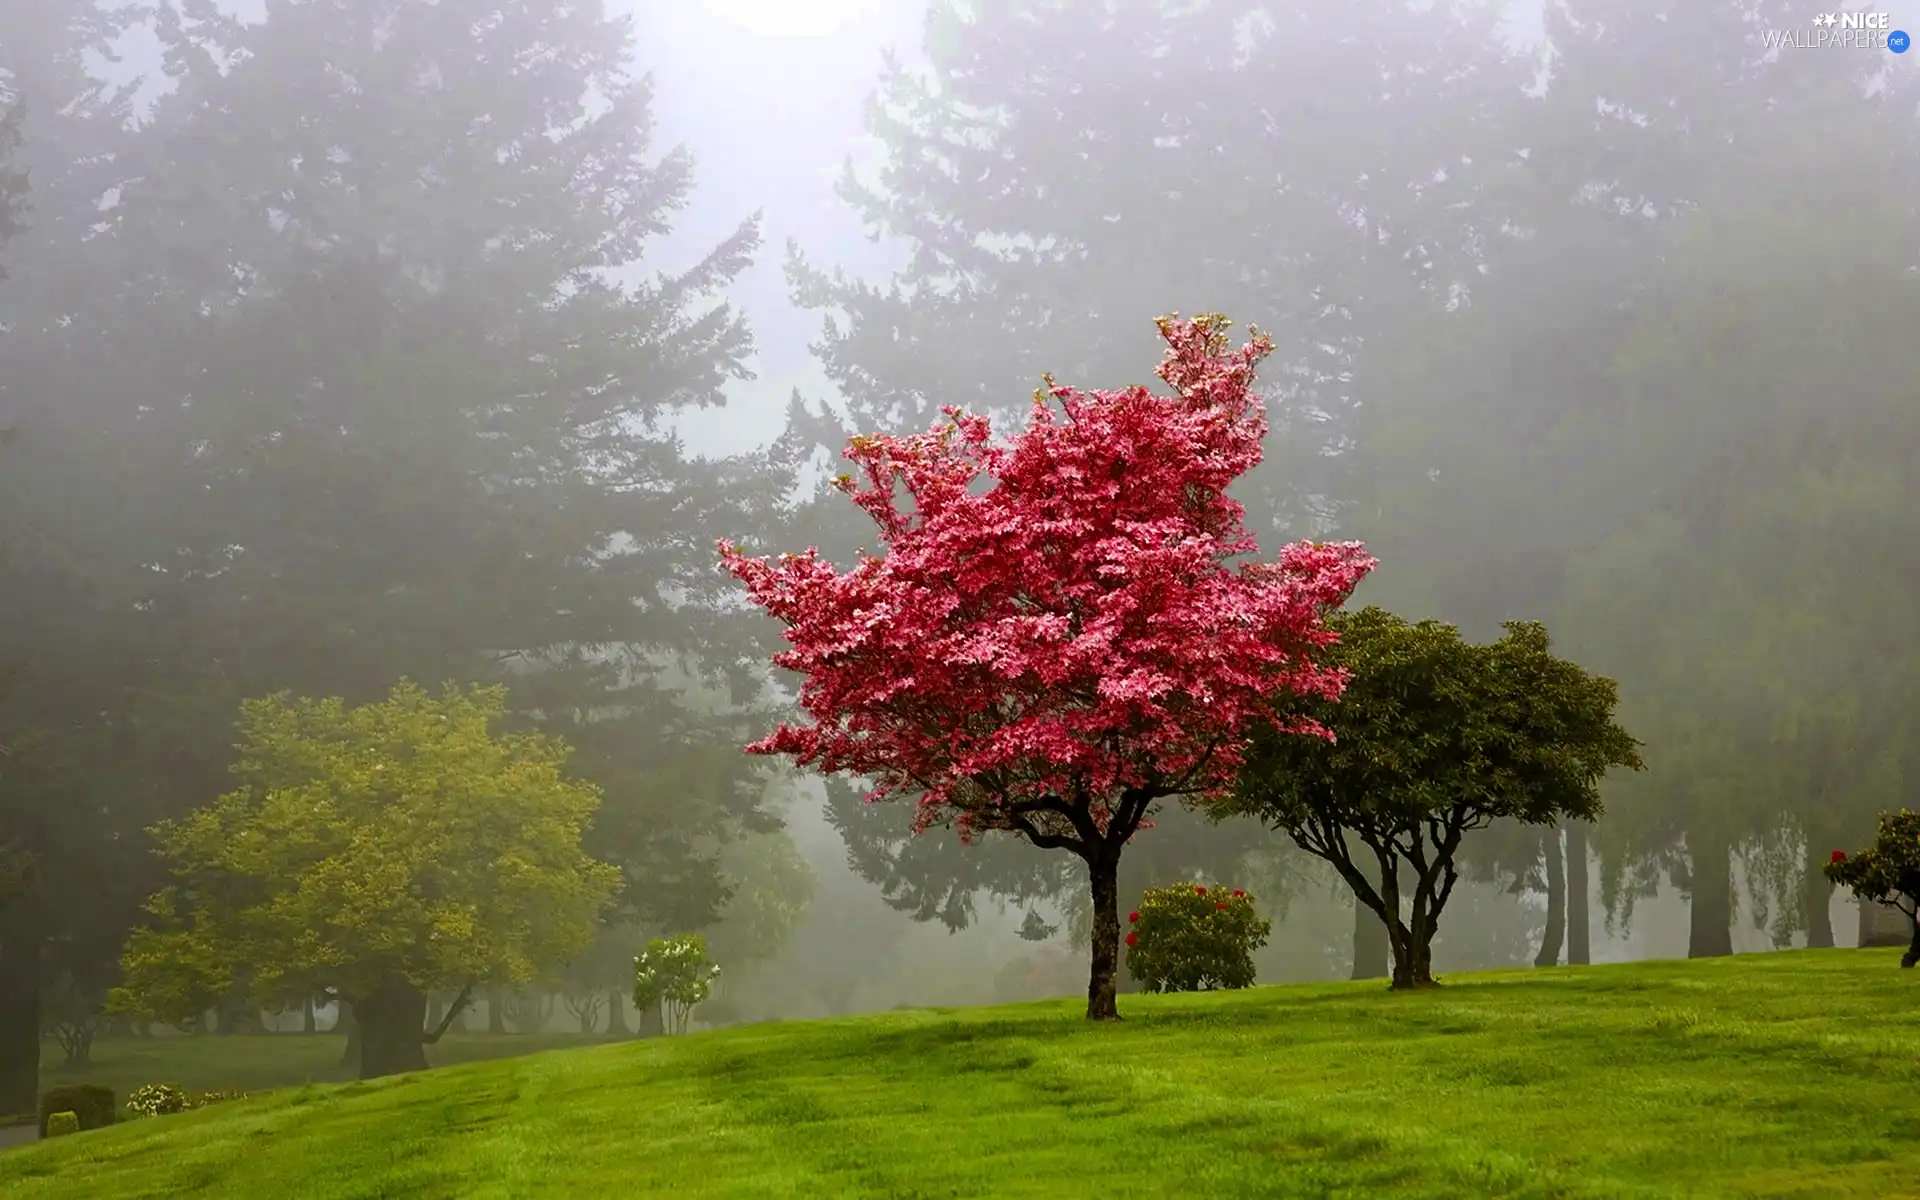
x,y
653,1022
1103,875
20,983
1817,893
1912,955
617,1013
1710,919
392,1023
496,1009
1372,948
1579,918
350,1022
1555,933
309,1020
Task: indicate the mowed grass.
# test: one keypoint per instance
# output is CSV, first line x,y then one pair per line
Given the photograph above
x,y
1792,1074
247,1063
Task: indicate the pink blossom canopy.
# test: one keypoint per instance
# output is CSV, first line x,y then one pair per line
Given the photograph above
x,y
1057,617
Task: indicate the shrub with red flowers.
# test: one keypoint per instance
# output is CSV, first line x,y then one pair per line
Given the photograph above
x,y
1887,872
1191,938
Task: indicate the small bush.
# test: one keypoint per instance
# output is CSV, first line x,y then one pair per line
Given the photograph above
x,y
94,1104
61,1123
674,974
206,1099
157,1100
1190,938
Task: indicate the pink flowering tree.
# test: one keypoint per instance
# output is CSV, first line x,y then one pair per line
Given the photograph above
x,y
1052,639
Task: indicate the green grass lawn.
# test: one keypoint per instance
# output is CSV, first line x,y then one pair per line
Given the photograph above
x,y
254,1063
1794,1074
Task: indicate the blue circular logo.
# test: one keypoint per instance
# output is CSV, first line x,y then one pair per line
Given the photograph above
x,y
1898,41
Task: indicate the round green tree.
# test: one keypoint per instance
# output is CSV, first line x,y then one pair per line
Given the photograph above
x,y
373,854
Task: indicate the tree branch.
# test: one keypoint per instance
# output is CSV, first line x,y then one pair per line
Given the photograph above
x,y
458,1006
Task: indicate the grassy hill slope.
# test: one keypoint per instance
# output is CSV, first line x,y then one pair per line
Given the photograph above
x,y
1793,1074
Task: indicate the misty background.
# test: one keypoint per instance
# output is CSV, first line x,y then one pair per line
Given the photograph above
x,y
1592,312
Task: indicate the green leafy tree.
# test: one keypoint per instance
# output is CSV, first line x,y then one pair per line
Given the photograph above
x,y
1434,736
373,853
1887,872
675,975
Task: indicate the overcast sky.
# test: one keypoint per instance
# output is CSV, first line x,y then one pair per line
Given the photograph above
x,y
768,94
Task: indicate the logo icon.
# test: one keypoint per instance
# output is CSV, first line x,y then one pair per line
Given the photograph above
x,y
1898,41
1827,20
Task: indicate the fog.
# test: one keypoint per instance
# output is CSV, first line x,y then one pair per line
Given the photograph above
x,y
351,341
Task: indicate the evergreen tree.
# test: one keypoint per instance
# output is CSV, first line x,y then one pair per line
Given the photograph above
x,y
369,381
1064,172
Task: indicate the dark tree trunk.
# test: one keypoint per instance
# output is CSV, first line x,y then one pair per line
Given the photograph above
x,y
1555,933
1372,949
1818,896
653,1023
234,1016
1710,933
617,1013
1413,957
309,1022
350,1022
20,982
1579,927
1103,875
1912,955
392,1023
496,1009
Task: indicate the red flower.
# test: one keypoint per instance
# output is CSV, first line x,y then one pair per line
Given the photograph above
x,y
1839,856
1133,916
1199,891
1133,939
1237,893
1222,906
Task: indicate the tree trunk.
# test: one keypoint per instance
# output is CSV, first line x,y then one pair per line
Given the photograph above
x,y
309,1022
1579,926
392,1024
1817,892
1912,955
1556,931
350,1022
1710,918
496,1009
653,1023
20,968
1372,947
232,1017
1104,877
1413,957
617,1013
